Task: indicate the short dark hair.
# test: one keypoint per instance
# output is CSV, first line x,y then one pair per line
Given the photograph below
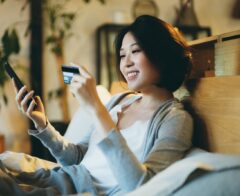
x,y
163,45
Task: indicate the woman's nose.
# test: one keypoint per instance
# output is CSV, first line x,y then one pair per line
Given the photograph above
x,y
128,61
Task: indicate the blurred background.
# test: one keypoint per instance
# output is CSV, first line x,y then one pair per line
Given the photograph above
x,y
38,36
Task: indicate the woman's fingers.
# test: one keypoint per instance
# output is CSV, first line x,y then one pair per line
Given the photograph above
x,y
75,85
38,100
39,103
26,100
83,71
30,108
78,79
20,95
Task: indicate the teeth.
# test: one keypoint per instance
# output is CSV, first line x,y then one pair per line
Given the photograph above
x,y
131,74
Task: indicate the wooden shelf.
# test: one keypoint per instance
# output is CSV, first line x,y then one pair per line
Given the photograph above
x,y
215,38
219,54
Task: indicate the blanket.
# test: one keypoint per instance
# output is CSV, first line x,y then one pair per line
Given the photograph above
x,y
197,164
16,168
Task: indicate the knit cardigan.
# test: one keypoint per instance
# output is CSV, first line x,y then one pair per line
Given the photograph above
x,y
168,137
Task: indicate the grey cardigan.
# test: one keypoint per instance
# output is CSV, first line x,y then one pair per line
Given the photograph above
x,y
168,137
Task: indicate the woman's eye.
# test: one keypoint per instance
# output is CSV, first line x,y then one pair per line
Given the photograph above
x,y
136,51
122,56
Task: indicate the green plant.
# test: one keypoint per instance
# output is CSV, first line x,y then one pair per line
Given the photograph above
x,y
60,25
10,45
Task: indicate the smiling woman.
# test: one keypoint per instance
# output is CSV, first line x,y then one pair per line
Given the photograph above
x,y
159,42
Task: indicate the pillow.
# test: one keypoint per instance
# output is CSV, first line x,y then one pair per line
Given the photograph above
x,y
19,162
81,121
199,173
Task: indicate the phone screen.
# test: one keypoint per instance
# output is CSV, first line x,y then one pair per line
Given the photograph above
x,y
68,72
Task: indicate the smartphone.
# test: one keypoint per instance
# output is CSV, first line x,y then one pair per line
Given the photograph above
x,y
12,74
68,72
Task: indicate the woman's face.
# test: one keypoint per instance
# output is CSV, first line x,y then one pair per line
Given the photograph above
x,y
138,71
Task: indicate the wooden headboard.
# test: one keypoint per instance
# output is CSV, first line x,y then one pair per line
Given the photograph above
x,y
216,100
216,108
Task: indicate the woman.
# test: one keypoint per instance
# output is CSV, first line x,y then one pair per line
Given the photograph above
x,y
138,135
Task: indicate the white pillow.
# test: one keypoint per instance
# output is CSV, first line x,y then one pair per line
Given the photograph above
x,y
81,121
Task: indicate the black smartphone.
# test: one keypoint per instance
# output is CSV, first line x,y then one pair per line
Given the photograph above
x,y
68,72
13,75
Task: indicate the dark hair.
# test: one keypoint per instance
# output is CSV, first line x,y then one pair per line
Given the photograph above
x,y
163,45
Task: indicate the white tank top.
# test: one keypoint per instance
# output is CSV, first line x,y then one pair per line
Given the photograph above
x,y
94,159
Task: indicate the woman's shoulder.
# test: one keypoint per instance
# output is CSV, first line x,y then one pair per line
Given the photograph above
x,y
173,109
120,98
175,121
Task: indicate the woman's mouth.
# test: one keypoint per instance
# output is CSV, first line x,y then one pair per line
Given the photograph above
x,y
132,75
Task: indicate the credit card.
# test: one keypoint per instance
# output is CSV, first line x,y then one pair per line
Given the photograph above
x,y
68,72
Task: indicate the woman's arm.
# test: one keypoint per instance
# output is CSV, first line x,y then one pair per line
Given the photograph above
x,y
65,152
174,138
83,87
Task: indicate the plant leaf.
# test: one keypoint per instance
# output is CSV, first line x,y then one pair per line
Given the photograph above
x,y
3,76
102,1
59,92
10,42
15,42
51,39
86,1
5,99
50,94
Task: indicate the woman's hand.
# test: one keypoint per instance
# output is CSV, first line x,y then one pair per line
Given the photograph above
x,y
83,87
31,106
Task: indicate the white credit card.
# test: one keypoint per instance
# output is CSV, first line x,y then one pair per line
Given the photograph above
x,y
68,72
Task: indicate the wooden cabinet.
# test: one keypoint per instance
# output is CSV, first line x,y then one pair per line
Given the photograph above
x,y
105,54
